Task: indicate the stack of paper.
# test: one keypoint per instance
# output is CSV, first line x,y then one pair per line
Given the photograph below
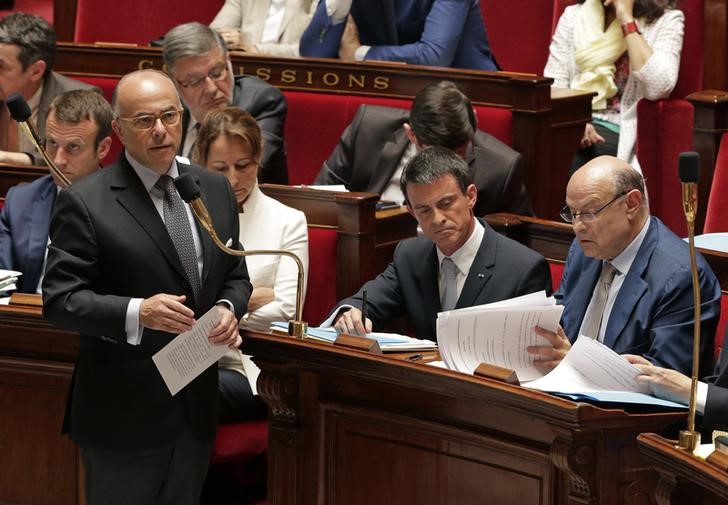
x,y
497,334
388,342
8,279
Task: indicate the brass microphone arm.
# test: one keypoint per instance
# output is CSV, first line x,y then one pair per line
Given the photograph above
x,y
29,131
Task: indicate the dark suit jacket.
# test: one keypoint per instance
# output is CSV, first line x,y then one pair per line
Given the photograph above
x,y
502,269
653,312
108,245
268,106
24,222
443,33
371,147
716,404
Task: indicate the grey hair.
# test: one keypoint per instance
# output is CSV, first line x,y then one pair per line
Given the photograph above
x,y
431,164
626,179
189,40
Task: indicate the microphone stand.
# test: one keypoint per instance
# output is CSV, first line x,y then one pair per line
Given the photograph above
x,y
297,327
20,112
689,439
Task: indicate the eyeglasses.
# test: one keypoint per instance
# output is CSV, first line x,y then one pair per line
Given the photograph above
x,y
215,74
569,216
147,121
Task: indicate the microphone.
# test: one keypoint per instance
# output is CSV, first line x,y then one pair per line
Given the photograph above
x,y
689,172
20,112
189,191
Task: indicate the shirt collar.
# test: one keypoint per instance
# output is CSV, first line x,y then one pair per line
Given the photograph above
x,y
623,261
148,176
464,257
34,101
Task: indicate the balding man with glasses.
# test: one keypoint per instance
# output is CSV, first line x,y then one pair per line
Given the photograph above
x,y
627,280
197,59
129,269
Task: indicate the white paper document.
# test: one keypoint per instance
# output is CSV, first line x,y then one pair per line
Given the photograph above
x,y
189,354
591,366
497,334
7,280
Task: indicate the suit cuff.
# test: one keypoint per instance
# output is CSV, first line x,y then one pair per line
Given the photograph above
x,y
701,397
361,53
227,304
133,327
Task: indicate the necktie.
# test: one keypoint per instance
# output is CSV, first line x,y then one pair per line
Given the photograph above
x,y
593,318
178,226
450,296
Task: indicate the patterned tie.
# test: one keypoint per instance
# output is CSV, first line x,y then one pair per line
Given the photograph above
x,y
178,226
593,318
450,296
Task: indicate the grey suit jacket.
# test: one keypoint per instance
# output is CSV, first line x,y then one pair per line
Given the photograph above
x,y
371,147
408,287
55,84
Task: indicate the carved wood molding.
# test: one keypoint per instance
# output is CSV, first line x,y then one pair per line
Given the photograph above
x,y
576,458
279,390
665,487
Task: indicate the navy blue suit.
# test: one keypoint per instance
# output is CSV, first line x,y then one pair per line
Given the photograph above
x,y
716,404
444,33
24,223
653,312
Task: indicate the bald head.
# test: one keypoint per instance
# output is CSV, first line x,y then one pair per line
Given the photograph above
x,y
608,197
147,118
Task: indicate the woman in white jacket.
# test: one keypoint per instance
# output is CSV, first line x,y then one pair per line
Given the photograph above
x,y
623,50
230,142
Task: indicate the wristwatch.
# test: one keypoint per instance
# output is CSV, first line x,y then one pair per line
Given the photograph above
x,y
630,27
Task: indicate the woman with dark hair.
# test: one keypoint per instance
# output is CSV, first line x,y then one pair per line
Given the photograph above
x,y
623,50
230,142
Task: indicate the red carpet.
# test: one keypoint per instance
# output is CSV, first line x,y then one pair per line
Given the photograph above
x,y
42,8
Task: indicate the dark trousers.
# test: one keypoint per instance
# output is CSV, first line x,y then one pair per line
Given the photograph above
x,y
171,475
237,402
585,154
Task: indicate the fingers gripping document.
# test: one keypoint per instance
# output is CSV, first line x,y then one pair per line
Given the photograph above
x,y
189,354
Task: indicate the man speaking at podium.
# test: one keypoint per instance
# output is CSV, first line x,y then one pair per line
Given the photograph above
x,y
129,270
460,261
627,280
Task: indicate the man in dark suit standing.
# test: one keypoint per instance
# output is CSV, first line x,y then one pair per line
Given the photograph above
x,y
27,54
443,33
627,280
129,269
460,261
78,137
375,147
197,59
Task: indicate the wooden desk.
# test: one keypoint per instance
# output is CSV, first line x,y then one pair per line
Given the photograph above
x,y
39,466
354,428
547,123
683,477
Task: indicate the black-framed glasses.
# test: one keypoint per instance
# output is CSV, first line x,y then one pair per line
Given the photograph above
x,y
147,121
215,74
569,216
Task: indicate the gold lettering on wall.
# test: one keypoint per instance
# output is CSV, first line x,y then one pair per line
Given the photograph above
x,y
263,73
331,79
144,64
309,77
381,82
357,81
288,76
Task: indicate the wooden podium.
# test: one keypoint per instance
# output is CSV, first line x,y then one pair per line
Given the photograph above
x,y
347,427
683,478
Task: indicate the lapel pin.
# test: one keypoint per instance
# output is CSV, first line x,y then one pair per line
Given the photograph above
x,y
481,276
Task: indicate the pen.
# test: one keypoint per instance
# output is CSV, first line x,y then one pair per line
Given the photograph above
x,y
364,309
415,357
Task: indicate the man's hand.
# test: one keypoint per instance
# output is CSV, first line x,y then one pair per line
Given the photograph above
x,y
259,297
663,382
590,136
349,41
350,322
547,357
232,37
226,331
165,312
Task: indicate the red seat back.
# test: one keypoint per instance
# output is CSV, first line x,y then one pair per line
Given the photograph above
x,y
321,289
240,441
722,324
557,271
716,218
135,21
106,85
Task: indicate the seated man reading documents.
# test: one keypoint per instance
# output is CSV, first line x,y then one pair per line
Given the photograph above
x,y
627,280
459,262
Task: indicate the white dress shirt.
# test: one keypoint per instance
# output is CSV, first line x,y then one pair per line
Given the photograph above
x,y
463,259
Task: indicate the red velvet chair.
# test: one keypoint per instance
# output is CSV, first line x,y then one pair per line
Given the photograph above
x,y
137,22
106,85
664,127
716,218
722,324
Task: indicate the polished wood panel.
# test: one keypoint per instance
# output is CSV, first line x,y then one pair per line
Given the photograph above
x,y
683,477
715,44
352,427
547,123
39,466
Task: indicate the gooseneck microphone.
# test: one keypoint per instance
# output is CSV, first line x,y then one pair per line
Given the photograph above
x,y
20,112
689,172
189,191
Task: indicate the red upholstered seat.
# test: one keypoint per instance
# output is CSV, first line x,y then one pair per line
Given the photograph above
x,y
321,289
557,271
722,324
120,21
315,122
716,218
106,85
240,441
